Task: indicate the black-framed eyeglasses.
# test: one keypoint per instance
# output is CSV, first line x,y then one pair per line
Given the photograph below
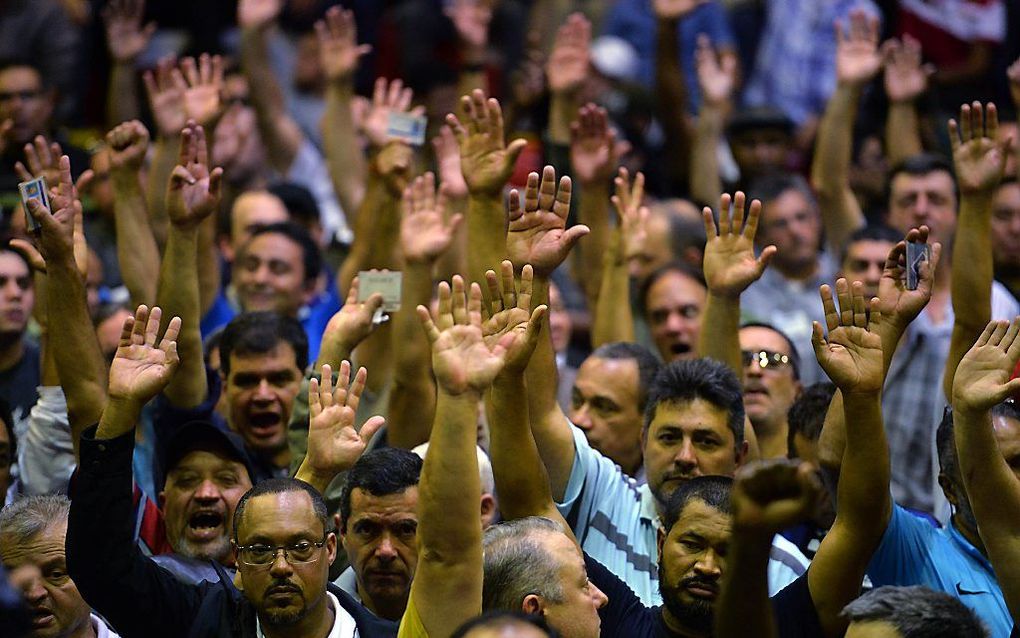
x,y
262,555
765,359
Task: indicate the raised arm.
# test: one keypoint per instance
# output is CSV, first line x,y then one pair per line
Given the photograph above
x,y
126,38
425,234
538,235
566,69
717,77
906,79
486,162
980,160
1013,73
613,317
767,497
982,382
447,587
192,195
852,357
730,267
334,445
280,133
671,86
857,62
339,53
471,19
137,252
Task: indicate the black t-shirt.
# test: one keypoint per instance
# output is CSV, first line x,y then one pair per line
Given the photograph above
x,y
626,616
18,385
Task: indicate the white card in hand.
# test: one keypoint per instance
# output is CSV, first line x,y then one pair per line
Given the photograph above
x,y
407,128
386,283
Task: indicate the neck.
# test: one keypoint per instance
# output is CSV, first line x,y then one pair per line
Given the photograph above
x,y
12,347
676,628
798,272
387,609
631,464
773,439
85,631
316,624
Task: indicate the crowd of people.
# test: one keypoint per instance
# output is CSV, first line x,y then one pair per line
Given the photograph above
x,y
490,318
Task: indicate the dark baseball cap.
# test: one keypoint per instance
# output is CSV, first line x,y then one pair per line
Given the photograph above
x,y
206,436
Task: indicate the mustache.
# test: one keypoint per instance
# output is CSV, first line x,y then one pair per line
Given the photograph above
x,y
711,584
281,587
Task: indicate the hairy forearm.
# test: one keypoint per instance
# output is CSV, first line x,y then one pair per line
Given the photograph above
x,y
671,91
163,163
72,340
344,156
830,169
267,98
593,212
486,231
122,95
902,132
178,295
412,402
743,608
706,184
720,328
118,418
137,252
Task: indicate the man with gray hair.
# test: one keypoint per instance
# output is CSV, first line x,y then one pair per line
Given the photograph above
x,y
911,612
32,532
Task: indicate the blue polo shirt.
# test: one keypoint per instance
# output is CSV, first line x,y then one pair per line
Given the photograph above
x,y
616,523
914,552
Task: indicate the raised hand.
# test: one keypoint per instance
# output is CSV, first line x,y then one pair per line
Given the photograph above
x,y
165,87
898,305
448,164
730,265
334,445
126,38
852,355
141,369
339,50
509,312
773,495
128,143
258,14
594,150
393,164
194,191
632,214
485,159
43,159
538,233
570,59
471,19
388,97
982,379
203,89
425,233
905,77
857,55
675,9
461,359
717,75
351,325
978,155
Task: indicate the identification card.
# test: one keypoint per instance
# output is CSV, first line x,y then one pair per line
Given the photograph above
x,y
35,189
917,254
407,128
386,283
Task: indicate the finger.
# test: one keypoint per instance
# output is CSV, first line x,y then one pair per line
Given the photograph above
x,y
992,121
954,134
326,386
563,194
1010,336
547,189
459,299
829,307
445,314
998,333
875,314
169,342
860,307
724,214
534,329
709,220
818,341
30,253
370,427
342,383
495,297
506,271
23,173
527,287
427,324
314,403
753,217
986,334
126,332
531,193
84,180
737,223
965,123
474,304
846,313
977,119
765,257
1014,346
152,327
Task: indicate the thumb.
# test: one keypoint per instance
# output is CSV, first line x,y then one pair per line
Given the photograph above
x,y
573,234
374,302
371,426
1013,387
766,256
31,253
179,177
514,150
817,340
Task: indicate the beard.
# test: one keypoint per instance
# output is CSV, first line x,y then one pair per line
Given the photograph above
x,y
218,550
697,616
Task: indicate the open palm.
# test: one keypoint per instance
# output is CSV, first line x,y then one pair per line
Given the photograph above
x,y
982,379
486,161
140,370
978,155
730,264
852,354
857,56
537,233
898,305
425,233
334,445
511,320
194,191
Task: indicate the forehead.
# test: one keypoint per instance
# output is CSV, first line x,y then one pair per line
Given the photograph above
x,y
1008,196
269,246
399,506
607,375
207,460
555,298
937,181
258,208
12,265
564,550
37,549
675,289
869,250
691,416
20,77
758,337
700,518
279,516
789,202
282,356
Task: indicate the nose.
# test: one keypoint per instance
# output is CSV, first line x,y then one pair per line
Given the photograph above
x,y
280,568
921,206
581,417
385,550
598,597
753,369
33,590
685,456
207,491
264,391
674,323
709,565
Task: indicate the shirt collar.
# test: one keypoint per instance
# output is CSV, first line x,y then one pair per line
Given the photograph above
x,y
966,547
648,511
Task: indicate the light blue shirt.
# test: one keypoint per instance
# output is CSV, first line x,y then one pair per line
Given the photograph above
x,y
616,523
915,552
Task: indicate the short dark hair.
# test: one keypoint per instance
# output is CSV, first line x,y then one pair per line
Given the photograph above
x,y
253,333
281,486
918,165
871,232
380,472
299,201
792,347
674,266
708,379
916,612
311,258
807,413
945,446
7,64
648,364
500,619
771,185
685,233
714,491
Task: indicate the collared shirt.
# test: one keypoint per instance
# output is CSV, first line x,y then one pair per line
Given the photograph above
x,y
914,552
791,306
615,521
101,628
913,401
343,623
795,70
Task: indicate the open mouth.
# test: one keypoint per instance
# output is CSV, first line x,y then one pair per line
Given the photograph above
x,y
42,618
205,524
680,349
264,424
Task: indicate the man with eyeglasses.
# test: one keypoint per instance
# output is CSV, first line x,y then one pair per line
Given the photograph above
x,y
771,384
283,542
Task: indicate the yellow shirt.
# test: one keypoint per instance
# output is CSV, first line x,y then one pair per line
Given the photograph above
x,y
410,624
